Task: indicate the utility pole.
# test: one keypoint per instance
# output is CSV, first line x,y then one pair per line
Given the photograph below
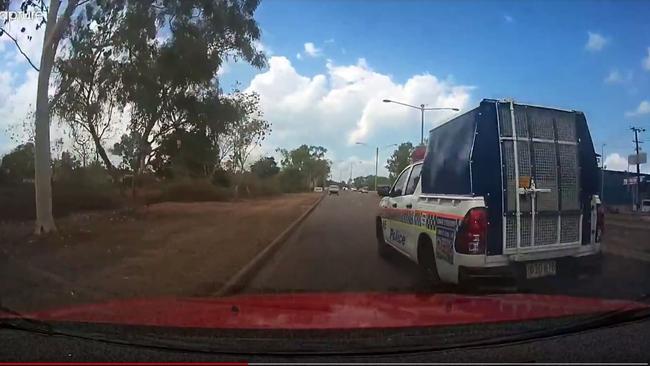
x,y
350,181
376,166
636,130
602,173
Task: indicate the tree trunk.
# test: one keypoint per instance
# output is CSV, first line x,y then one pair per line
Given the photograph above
x,y
42,158
104,156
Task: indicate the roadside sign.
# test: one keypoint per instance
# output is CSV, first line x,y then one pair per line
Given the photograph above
x,y
643,158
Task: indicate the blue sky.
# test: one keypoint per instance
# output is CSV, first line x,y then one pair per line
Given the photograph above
x,y
332,61
532,51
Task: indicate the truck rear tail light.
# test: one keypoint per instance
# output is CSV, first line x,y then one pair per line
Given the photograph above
x,y
600,222
472,234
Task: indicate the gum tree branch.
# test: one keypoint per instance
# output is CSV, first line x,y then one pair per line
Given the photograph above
x,y
19,48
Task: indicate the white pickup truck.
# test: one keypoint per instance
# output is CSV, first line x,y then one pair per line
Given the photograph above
x,y
504,190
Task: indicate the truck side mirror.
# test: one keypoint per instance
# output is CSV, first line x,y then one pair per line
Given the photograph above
x,y
383,191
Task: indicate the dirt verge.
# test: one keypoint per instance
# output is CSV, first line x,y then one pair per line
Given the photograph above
x,y
167,249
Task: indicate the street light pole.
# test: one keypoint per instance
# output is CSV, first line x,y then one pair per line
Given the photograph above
x,y
422,109
376,158
602,173
376,166
422,124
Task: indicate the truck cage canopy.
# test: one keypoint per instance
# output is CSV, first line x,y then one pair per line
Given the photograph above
x,y
499,147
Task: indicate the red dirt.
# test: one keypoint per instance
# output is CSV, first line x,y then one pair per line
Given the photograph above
x,y
167,249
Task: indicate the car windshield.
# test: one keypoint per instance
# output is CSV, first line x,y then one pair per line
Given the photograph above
x,y
311,165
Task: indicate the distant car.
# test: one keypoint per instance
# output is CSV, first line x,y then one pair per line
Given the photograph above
x,y
318,189
334,189
353,189
364,190
645,206
383,190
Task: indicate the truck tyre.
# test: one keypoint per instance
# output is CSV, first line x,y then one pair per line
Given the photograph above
x,y
427,259
383,249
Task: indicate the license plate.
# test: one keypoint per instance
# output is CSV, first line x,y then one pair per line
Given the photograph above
x,y
540,269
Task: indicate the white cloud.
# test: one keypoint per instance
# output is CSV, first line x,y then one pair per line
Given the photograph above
x,y
17,100
617,77
311,50
615,162
595,42
646,61
613,77
344,105
329,40
508,18
223,69
298,56
262,47
643,108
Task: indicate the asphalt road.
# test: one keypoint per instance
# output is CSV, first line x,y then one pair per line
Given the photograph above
x,y
334,250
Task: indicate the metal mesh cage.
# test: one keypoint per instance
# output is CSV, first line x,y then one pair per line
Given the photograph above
x,y
570,228
546,175
521,121
525,170
511,232
508,155
566,127
569,185
541,123
504,120
545,230
553,157
526,230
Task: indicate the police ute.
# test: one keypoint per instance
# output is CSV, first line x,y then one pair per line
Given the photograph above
x,y
503,190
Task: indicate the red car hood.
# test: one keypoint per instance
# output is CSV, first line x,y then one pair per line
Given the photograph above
x,y
332,310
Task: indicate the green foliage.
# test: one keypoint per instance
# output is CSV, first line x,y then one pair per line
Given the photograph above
x,y
399,160
245,131
221,178
185,153
127,148
18,165
193,190
250,185
369,181
309,161
265,167
292,180
74,189
166,94
88,83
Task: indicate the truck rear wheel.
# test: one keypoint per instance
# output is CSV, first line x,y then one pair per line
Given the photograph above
x,y
427,258
383,249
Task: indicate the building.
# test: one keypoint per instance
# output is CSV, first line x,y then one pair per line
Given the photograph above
x,y
619,188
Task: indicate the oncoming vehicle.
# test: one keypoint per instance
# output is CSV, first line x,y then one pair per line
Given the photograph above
x,y
333,189
318,189
505,189
364,190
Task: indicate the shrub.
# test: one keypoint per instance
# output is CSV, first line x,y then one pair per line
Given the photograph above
x,y
193,190
221,178
292,180
70,197
18,203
